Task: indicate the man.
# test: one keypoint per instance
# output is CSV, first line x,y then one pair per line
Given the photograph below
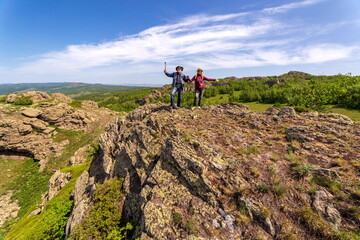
x,y
179,80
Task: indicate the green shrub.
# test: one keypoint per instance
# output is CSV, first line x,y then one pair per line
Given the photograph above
x,y
23,100
103,221
272,170
176,218
192,227
280,188
301,109
352,98
277,104
75,104
3,98
301,170
325,181
262,187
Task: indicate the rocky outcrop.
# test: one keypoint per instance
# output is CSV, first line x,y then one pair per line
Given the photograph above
x,y
80,156
217,172
8,207
11,98
287,112
272,82
64,116
82,202
29,134
296,74
18,137
31,112
259,213
89,104
322,203
147,99
37,96
60,97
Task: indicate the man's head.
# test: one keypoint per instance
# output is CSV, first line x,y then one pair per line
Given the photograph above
x,y
179,69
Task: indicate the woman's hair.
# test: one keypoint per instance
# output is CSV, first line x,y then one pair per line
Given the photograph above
x,y
199,74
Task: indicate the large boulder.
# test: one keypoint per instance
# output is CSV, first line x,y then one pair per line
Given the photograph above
x,y
287,112
80,156
81,202
31,112
89,104
37,96
11,98
61,97
22,138
64,116
322,203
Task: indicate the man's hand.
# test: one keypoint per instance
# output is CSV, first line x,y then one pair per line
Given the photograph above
x,y
165,70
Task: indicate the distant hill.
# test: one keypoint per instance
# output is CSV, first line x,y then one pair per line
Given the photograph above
x,y
72,89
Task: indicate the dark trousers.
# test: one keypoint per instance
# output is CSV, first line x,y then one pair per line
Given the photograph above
x,y
178,89
199,93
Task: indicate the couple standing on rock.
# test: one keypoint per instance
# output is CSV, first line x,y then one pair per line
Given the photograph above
x,y
179,80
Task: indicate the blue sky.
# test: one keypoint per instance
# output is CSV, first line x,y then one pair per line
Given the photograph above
x,y
127,42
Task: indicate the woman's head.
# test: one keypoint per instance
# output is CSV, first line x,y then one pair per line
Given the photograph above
x,y
199,70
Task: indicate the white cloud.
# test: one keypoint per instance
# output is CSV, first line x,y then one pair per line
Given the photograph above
x,y
290,6
236,40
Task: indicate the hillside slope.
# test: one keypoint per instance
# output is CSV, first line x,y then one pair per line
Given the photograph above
x,y
72,89
224,172
37,140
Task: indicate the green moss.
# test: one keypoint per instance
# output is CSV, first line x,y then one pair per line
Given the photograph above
x,y
103,221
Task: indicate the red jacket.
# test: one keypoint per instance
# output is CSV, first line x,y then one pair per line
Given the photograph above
x,y
199,81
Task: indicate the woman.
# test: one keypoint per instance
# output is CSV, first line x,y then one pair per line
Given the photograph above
x,y
199,85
